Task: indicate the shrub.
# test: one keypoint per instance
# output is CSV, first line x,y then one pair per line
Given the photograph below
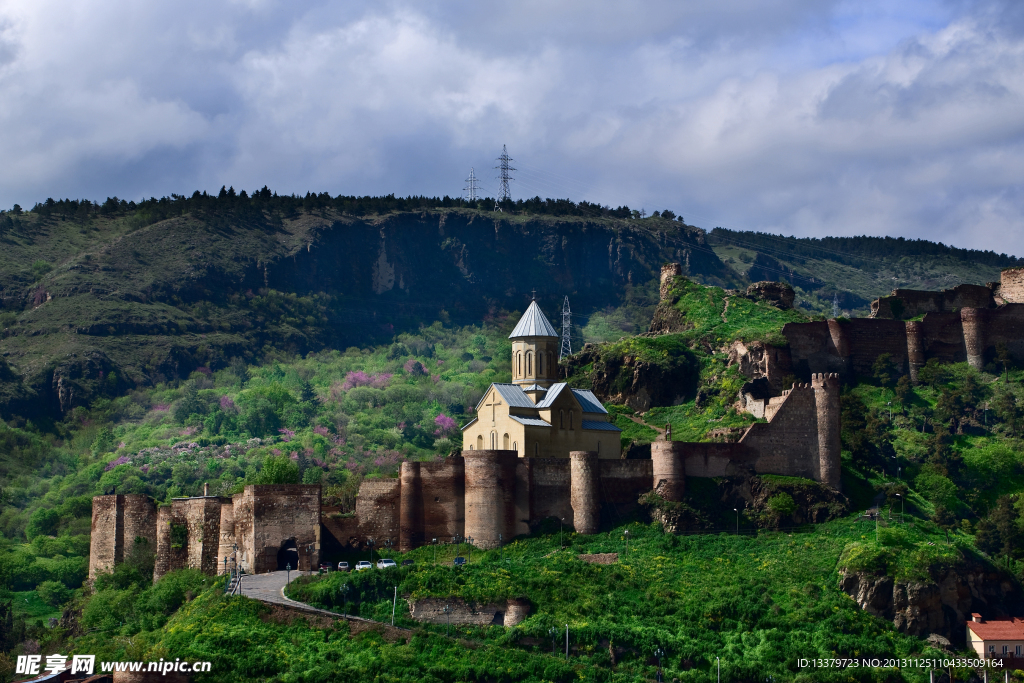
x,y
53,593
278,470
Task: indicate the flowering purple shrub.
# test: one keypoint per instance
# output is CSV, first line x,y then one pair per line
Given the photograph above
x,y
414,367
227,405
162,406
123,460
294,455
286,434
445,425
188,431
205,370
358,378
322,431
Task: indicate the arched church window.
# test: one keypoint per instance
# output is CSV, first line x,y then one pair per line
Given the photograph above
x,y
529,364
505,441
519,365
599,448
480,442
540,364
515,446
494,441
561,419
570,420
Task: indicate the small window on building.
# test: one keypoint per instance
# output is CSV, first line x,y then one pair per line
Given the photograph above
x,y
494,441
505,442
992,649
561,419
1006,649
529,364
480,443
570,420
540,364
599,448
1017,651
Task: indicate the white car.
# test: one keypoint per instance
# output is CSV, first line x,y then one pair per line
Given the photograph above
x,y
343,566
386,564
363,564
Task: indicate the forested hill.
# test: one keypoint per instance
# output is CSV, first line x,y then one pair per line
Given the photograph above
x,y
101,298
855,270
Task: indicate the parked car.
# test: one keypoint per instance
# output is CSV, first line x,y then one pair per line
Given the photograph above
x,y
343,566
406,563
386,564
459,561
363,564
325,567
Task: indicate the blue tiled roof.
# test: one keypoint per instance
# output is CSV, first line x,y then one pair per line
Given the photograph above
x,y
530,421
600,426
553,391
589,401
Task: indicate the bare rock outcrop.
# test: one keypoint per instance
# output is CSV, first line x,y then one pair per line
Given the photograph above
x,y
779,294
937,607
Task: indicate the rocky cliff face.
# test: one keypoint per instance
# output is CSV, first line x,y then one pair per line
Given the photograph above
x,y
156,303
623,376
940,606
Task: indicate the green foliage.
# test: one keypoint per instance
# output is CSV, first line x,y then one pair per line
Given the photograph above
x,y
53,593
278,470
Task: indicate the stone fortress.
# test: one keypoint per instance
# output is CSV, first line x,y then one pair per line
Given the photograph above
x,y
539,449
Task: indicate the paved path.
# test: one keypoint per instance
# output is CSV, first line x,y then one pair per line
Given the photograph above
x,y
270,588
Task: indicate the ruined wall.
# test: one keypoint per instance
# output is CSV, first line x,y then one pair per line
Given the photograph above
x,y
268,516
717,459
911,303
432,611
1011,287
789,443
868,339
201,517
377,507
171,540
549,482
338,534
226,558
119,523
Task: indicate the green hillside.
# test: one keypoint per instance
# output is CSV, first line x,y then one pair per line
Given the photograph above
x,y
241,340
853,270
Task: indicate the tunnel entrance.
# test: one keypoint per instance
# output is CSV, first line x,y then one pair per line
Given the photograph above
x,y
288,554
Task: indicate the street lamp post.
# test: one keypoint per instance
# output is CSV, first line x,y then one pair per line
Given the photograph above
x,y
626,534
448,614
718,663
469,542
900,496
501,544
288,573
659,653
561,521
737,511
388,544
434,541
369,542
889,404
344,599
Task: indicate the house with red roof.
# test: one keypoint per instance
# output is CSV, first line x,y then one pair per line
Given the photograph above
x,y
996,638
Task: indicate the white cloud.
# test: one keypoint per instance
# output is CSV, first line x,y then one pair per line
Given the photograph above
x,y
801,116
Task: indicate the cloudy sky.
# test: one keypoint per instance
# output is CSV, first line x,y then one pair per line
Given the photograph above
x,y
805,117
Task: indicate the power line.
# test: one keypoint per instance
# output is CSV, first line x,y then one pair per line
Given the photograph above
x,y
472,185
504,194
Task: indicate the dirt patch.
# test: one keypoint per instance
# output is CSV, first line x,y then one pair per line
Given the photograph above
x,y
600,558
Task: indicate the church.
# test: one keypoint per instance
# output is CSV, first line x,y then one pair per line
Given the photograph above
x,y
536,415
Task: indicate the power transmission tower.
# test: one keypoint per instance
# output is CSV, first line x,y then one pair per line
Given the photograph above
x,y
504,192
835,306
471,186
566,331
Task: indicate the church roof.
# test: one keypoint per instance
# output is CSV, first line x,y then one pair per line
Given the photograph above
x,y
599,425
513,395
588,401
529,421
533,324
553,392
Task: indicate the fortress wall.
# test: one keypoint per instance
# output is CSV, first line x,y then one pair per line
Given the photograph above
x,y
1011,287
910,303
201,517
244,532
621,483
585,492
812,349
668,466
410,516
105,540
717,459
789,443
225,550
490,496
283,512
171,539
869,338
523,502
967,296
377,507
1005,325
443,498
339,533
549,488
944,337
139,522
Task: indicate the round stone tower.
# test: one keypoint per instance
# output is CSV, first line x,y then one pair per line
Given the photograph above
x,y
973,321
410,518
669,469
915,348
490,496
535,347
584,491
826,399
225,551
